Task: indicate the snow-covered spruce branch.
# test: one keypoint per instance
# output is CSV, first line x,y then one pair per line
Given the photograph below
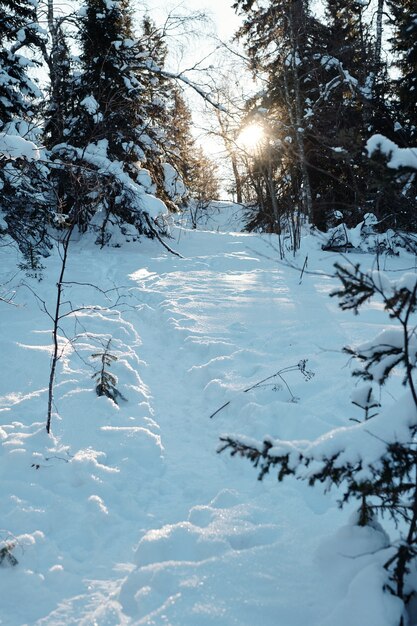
x,y
259,454
397,157
390,348
146,206
373,462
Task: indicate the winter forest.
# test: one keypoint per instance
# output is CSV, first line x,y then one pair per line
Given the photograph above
x,y
208,313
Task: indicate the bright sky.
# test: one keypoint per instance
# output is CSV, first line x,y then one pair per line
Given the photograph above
x,y
225,23
224,17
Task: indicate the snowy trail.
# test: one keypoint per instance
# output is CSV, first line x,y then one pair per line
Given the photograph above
x,y
220,328
132,517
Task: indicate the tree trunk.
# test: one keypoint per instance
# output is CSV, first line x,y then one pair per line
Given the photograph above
x,y
296,26
55,328
379,30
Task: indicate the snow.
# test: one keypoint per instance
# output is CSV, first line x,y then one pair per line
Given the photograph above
x,y
397,157
90,104
126,515
357,588
21,35
329,61
96,154
15,147
363,396
173,183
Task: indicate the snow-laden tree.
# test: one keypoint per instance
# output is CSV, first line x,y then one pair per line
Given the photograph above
x,y
23,182
179,144
285,43
109,136
359,103
342,115
404,43
57,112
194,175
18,32
164,122
325,91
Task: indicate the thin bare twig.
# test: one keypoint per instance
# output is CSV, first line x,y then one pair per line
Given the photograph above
x,y
301,367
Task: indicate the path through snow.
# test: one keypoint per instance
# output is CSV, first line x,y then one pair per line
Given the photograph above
x,y
129,516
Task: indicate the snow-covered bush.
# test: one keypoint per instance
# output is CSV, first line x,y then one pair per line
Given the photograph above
x,y
367,236
374,461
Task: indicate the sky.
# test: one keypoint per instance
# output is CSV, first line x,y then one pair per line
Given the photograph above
x,y
224,17
185,52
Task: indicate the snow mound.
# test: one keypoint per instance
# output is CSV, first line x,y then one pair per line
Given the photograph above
x,y
15,147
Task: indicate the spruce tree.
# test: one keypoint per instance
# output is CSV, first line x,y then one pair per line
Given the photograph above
x,y
195,170
23,183
348,34
180,142
158,98
284,42
404,43
340,125
18,31
109,135
108,91
58,111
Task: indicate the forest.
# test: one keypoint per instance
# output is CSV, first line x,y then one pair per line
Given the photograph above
x,y
112,124
176,208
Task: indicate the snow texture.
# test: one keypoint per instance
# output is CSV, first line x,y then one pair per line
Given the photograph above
x,y
173,183
96,154
15,147
126,515
397,157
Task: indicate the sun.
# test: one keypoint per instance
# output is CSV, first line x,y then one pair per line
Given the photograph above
x,y
251,137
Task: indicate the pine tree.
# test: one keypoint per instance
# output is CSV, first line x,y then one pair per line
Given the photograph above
x,y
180,142
404,43
341,122
284,41
158,98
109,91
109,135
182,153
348,35
23,183
57,115
18,30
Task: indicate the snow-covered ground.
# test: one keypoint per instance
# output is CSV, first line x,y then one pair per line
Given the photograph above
x,y
127,514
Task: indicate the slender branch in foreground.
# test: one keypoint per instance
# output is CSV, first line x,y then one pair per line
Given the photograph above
x,y
159,238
